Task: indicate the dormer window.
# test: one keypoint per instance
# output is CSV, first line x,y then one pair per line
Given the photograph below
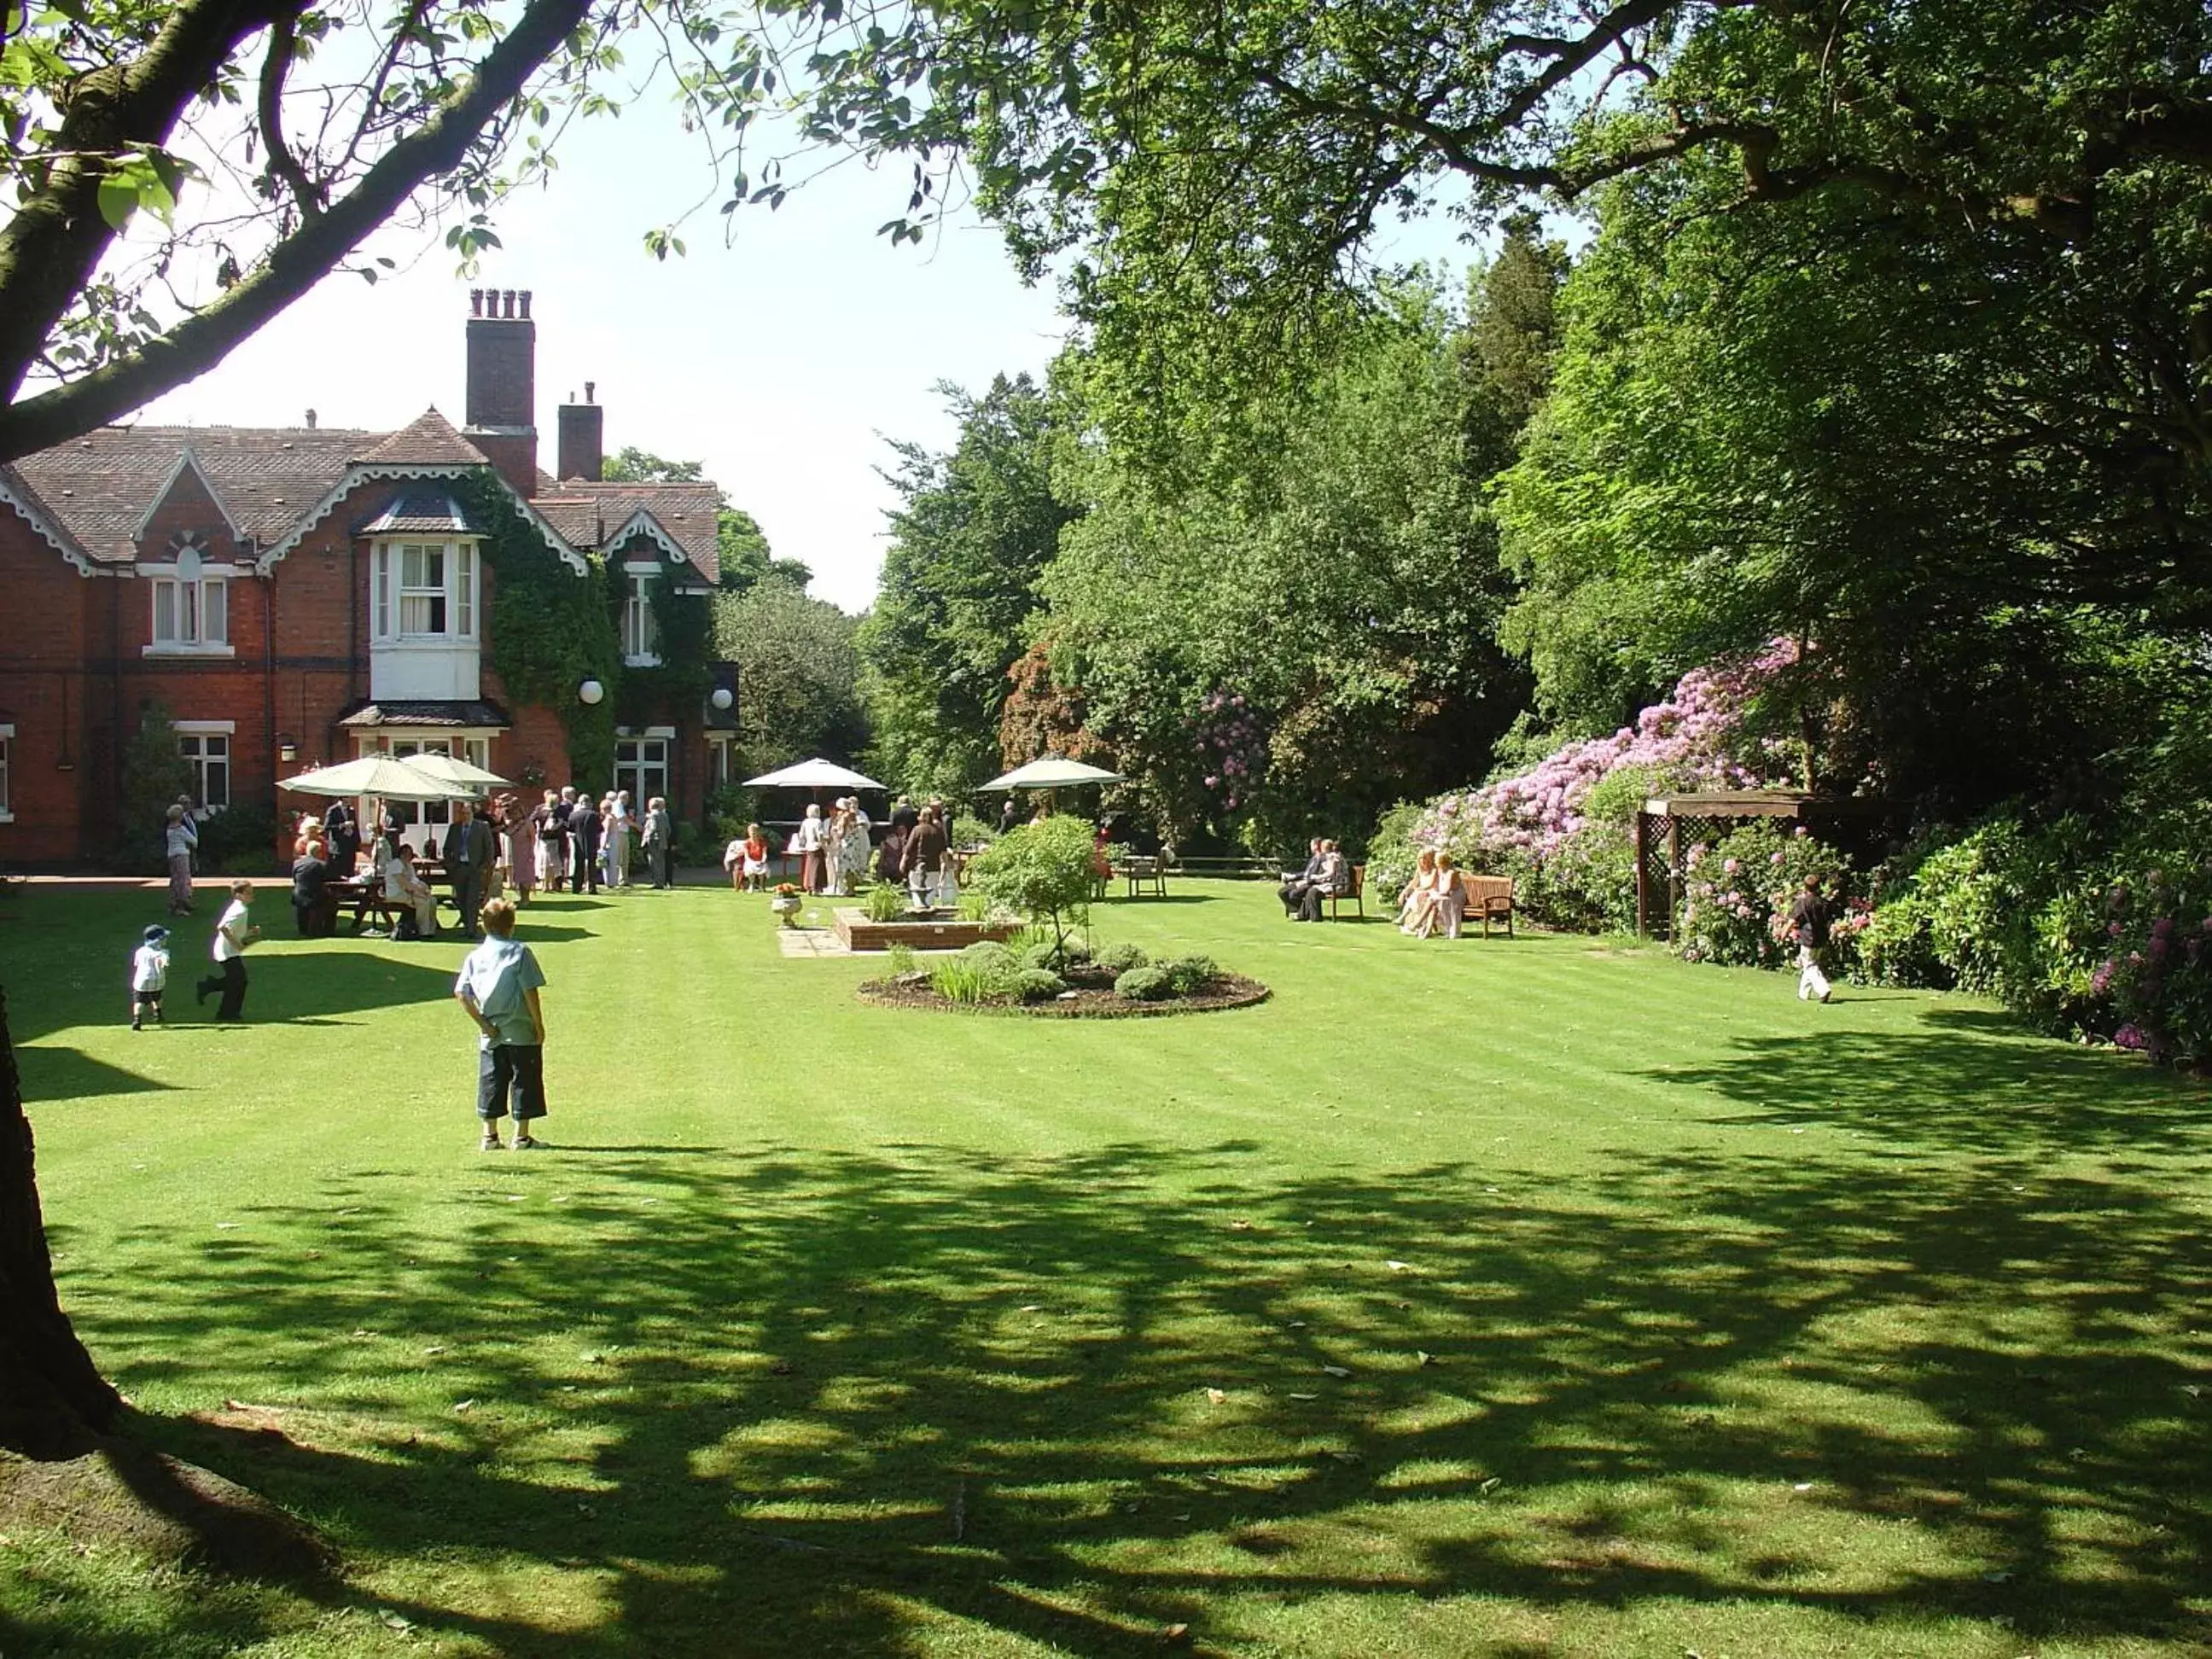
x,y
641,628
424,591
191,606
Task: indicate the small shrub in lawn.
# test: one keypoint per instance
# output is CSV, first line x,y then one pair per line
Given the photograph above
x,y
998,968
1144,985
1118,959
884,903
1056,958
1187,975
899,959
1037,984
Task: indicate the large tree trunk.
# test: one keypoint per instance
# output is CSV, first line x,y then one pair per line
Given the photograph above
x,y
53,1403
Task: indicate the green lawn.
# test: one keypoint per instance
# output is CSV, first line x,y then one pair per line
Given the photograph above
x,y
1508,1299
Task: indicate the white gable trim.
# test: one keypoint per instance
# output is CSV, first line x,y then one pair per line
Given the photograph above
x,y
643,521
187,459
51,534
361,472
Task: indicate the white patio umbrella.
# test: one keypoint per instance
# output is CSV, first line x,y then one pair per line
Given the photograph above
x,y
375,775
449,770
1052,772
816,774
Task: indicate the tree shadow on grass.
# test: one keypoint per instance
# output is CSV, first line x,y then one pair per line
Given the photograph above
x,y
60,1073
781,1401
1966,1080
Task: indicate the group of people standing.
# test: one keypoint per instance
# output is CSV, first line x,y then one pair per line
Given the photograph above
x,y
833,849
917,850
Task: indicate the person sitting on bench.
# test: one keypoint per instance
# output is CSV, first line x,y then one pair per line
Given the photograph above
x,y
1332,880
404,889
1294,888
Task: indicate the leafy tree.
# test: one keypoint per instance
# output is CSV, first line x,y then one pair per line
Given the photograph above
x,y
1942,458
799,668
1292,646
1206,172
958,589
155,775
1042,870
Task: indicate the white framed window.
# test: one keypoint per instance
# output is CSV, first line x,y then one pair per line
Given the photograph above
x,y
7,799
192,607
641,765
204,746
719,751
424,590
641,628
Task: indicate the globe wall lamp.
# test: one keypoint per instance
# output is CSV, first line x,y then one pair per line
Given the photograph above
x,y
590,692
721,697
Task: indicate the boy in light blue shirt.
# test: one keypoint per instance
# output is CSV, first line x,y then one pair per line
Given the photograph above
x,y
498,985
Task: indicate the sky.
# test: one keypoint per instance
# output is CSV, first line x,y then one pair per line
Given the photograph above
x,y
784,361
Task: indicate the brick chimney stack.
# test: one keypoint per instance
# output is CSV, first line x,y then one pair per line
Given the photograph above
x,y
582,437
502,388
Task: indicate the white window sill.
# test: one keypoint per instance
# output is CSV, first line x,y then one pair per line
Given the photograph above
x,y
423,642
188,651
642,659
6,817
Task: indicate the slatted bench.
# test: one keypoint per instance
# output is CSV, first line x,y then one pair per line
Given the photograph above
x,y
1356,896
1490,897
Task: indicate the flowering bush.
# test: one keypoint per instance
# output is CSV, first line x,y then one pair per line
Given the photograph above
x,y
1737,894
1232,749
1561,829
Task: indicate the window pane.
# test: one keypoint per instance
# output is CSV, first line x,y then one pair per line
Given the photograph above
x,y
188,613
216,791
215,613
464,582
4,774
410,567
383,590
164,613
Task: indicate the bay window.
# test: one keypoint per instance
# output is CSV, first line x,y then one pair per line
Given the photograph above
x,y
424,590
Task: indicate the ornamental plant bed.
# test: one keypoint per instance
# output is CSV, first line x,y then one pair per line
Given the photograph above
x,y
1089,995
919,930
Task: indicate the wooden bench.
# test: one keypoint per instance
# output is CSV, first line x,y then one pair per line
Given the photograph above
x,y
1356,897
1143,873
1490,897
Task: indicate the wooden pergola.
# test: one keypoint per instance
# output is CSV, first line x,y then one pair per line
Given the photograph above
x,y
1723,807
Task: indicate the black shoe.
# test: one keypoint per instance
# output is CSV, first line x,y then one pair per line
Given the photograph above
x,y
134,1025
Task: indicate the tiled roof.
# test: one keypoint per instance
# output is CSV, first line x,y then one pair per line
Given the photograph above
x,y
587,513
426,440
45,519
479,714
99,486
420,507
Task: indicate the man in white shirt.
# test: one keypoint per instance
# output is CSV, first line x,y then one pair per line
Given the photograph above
x,y
233,933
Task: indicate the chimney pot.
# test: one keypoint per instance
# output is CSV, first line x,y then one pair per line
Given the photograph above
x,y
525,297
476,302
507,301
590,388
311,420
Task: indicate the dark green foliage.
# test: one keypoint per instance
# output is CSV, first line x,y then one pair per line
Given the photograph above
x,y
1187,976
954,612
799,672
1119,959
1144,985
550,630
884,903
241,841
154,775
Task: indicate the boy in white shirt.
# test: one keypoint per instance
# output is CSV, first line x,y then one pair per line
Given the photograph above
x,y
498,986
149,972
232,935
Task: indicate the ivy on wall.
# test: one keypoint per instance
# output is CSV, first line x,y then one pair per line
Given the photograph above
x,y
549,632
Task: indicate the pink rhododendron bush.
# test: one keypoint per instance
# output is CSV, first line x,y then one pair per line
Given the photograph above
x,y
1561,829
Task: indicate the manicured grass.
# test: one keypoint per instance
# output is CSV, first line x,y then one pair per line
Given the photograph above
x,y
1665,1313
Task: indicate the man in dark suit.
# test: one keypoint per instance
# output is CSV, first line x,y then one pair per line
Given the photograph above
x,y
1294,889
583,847
469,854
345,837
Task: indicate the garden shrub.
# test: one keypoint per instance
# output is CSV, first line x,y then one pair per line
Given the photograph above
x,y
1119,959
884,903
1187,975
899,958
1144,985
1056,957
1038,984
1737,893
960,982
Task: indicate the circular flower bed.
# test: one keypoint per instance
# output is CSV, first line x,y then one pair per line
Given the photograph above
x,y
1084,992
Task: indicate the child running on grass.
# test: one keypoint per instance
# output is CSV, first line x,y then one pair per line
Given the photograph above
x,y
149,973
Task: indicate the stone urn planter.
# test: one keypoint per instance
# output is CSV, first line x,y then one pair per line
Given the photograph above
x,y
785,906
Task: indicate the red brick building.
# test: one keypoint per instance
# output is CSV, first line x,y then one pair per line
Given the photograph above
x,y
298,596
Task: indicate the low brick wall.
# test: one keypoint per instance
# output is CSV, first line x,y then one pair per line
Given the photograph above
x,y
858,933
